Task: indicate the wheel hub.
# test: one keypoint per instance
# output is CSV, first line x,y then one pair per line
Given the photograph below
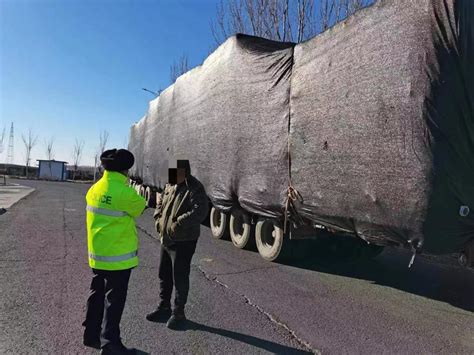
x,y
239,228
268,234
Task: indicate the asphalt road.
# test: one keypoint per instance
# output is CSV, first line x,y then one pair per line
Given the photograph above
x,y
238,302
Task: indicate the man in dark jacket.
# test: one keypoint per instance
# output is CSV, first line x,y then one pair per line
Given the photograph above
x,y
180,210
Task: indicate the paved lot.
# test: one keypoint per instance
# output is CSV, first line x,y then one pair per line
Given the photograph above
x,y
12,193
238,302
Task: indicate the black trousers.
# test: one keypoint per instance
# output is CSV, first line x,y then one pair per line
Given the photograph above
x,y
175,266
105,305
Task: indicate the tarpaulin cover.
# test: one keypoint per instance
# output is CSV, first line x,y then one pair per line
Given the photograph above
x,y
377,112
382,125
229,117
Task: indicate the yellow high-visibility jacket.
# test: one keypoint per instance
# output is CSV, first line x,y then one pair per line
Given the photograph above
x,y
112,207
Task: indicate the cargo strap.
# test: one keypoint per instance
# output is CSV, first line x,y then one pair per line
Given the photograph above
x,y
115,258
106,212
293,195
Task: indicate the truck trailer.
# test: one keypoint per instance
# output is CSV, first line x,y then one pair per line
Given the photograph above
x,y
366,130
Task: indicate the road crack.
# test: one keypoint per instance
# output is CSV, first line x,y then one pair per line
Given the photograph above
x,y
147,233
245,271
269,316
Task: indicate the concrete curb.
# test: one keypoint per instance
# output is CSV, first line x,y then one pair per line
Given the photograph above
x,y
11,194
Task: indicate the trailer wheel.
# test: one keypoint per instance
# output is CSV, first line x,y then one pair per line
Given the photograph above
x,y
142,191
239,228
218,223
466,257
150,197
269,238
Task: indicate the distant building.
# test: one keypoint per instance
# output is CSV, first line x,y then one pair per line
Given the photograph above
x,y
52,170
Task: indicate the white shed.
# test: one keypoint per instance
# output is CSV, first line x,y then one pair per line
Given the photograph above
x,y
52,170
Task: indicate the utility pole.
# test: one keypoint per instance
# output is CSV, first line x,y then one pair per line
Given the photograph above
x,y
152,92
10,146
2,138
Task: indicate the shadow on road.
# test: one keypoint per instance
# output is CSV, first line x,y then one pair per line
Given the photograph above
x,y
244,338
428,279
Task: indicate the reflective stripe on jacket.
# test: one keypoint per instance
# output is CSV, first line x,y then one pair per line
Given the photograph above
x,y
112,207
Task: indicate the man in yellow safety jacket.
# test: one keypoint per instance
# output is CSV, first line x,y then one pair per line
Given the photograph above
x,y
112,243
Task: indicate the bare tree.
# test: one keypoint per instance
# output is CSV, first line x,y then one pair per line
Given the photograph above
x,y
326,13
29,142
306,23
48,144
179,67
103,138
280,20
77,154
272,19
333,11
352,6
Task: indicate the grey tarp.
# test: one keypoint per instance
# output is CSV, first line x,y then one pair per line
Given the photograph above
x,y
229,117
382,108
379,117
136,145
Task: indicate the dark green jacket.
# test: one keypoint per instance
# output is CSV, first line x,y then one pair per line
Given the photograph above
x,y
180,211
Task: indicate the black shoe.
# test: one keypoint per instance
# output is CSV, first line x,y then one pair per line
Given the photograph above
x,y
91,341
176,321
117,349
160,315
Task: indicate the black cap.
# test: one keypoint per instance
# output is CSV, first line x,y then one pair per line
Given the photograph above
x,y
117,160
184,164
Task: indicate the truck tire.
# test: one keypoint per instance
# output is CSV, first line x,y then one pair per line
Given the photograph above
x,y
269,238
239,228
466,257
150,197
218,222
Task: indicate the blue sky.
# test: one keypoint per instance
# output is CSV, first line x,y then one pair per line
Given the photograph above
x,y
72,68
